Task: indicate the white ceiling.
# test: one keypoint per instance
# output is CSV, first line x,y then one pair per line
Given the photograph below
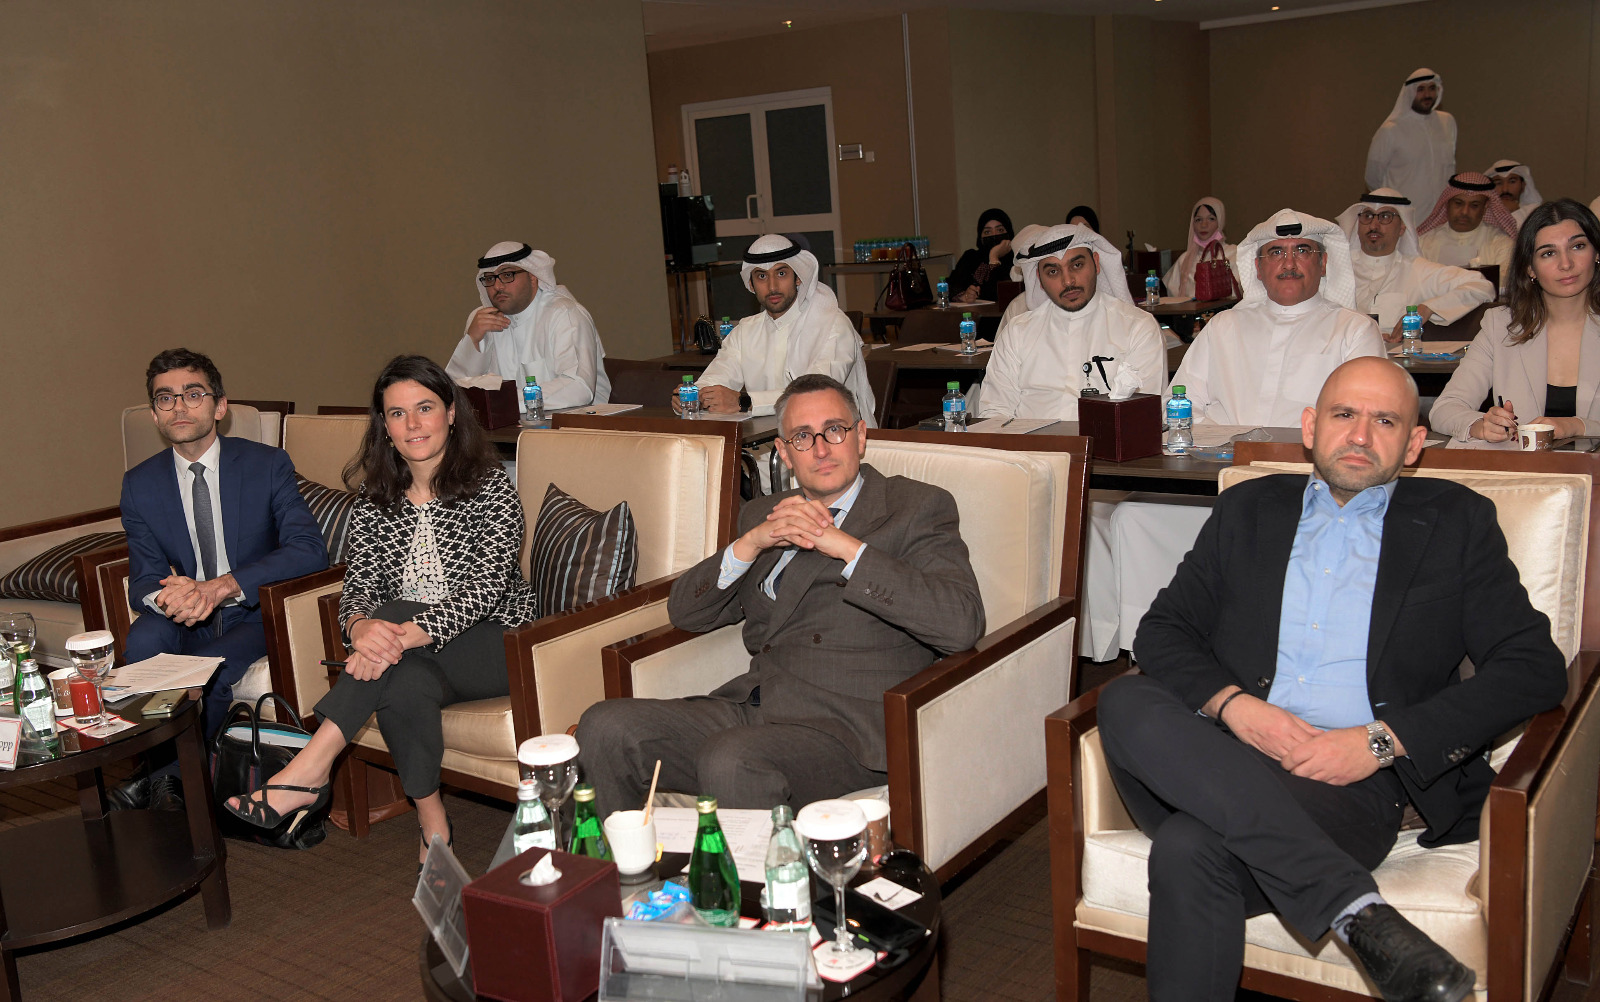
x,y
671,24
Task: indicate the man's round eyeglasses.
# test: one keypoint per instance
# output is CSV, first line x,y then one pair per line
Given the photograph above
x,y
1366,217
506,277
190,398
1299,250
834,434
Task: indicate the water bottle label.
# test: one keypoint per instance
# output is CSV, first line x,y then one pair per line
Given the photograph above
x,y
955,406
40,714
534,840
791,895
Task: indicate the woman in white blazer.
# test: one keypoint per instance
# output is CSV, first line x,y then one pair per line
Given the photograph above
x,y
1540,354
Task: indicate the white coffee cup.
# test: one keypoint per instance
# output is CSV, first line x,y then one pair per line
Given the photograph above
x,y
1536,437
633,843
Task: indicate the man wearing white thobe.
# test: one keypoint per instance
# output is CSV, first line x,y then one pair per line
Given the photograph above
x,y
1071,278
530,326
1513,185
800,329
1390,273
1469,227
1264,361
1414,150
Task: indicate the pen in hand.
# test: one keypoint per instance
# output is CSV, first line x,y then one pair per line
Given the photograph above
x,y
1501,400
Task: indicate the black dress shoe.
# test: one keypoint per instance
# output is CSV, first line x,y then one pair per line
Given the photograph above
x,y
1405,964
134,795
166,793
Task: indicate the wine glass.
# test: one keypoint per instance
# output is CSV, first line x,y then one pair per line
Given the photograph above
x,y
18,630
836,845
92,655
551,761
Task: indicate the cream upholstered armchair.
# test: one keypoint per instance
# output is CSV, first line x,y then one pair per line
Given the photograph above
x,y
56,621
680,481
140,440
960,760
1503,905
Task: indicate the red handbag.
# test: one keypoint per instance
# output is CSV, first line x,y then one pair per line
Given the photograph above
x,y
1213,279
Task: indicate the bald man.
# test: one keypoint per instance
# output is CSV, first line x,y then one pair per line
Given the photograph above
x,y
1271,768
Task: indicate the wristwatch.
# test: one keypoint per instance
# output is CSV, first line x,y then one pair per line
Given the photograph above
x,y
1381,742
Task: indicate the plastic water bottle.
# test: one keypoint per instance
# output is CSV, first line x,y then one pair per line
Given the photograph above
x,y
724,329
969,333
942,290
1180,423
1152,291
532,403
684,191
955,408
689,398
1411,332
787,896
531,827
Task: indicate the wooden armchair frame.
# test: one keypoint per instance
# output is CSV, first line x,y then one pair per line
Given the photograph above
x,y
902,702
1507,807
91,596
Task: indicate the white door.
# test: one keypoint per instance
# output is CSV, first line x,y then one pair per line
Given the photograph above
x,y
767,162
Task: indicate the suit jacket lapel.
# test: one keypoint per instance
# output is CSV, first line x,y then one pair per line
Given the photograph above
x,y
869,511
1536,367
1406,530
1277,520
1588,369
230,480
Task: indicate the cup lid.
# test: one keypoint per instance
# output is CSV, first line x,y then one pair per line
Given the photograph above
x,y
830,820
88,641
548,749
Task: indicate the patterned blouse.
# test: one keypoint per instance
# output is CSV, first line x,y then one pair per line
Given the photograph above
x,y
476,546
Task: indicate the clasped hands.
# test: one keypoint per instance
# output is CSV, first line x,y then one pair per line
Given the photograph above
x,y
798,522
376,645
1338,757
187,601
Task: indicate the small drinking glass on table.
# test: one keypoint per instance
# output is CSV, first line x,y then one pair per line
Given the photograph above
x,y
92,656
835,833
551,761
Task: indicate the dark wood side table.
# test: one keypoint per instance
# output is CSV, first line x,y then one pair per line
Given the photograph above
x,y
914,980
70,876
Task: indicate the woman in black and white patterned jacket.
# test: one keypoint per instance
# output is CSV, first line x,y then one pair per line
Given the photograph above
x,y
432,583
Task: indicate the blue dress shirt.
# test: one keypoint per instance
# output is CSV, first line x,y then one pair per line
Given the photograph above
x,y
733,568
1327,607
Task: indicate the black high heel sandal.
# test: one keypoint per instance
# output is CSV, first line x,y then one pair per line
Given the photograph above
x,y
263,815
450,842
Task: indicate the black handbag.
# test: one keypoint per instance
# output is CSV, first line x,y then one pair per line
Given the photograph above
x,y
244,755
908,288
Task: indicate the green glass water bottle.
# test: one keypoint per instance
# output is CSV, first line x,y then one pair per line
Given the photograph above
x,y
588,838
713,878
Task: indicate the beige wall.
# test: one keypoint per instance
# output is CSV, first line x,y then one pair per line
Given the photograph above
x,y
1023,93
298,189
1294,104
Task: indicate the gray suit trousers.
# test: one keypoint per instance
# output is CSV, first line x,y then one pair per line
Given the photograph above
x,y
715,746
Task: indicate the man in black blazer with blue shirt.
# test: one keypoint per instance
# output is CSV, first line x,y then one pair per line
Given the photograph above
x,y
209,522
1302,683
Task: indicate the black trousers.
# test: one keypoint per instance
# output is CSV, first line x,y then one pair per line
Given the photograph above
x,y
1233,835
410,695
713,746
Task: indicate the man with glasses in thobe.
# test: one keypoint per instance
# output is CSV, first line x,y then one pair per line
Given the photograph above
x,y
846,586
530,326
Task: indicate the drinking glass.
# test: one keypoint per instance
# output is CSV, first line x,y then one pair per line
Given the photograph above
x,y
92,655
551,761
836,845
18,630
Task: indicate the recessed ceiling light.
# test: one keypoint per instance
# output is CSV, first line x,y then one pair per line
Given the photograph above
x,y
790,24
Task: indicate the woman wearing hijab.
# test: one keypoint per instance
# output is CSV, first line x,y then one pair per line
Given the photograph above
x,y
1539,355
1082,215
1205,233
982,268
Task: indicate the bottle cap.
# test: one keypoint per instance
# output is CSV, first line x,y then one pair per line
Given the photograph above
x,y
952,386
830,820
705,804
781,815
1177,388
528,789
583,793
724,318
92,640
688,379
966,316
548,749
532,382
1152,273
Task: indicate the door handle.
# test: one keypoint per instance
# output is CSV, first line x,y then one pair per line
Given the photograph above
x,y
748,212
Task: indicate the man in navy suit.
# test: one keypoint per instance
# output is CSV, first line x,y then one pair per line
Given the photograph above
x,y
209,522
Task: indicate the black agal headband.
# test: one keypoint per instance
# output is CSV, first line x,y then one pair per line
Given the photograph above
x,y
780,254
1046,250
508,258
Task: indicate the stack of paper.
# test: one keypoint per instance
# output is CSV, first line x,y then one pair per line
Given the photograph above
x,y
162,672
747,833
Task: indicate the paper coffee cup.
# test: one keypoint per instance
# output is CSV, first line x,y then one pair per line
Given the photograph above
x,y
633,843
61,690
1536,437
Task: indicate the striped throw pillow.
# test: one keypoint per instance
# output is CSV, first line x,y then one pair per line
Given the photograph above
x,y
50,577
331,508
581,555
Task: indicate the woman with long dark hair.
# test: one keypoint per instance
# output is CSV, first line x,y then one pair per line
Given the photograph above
x,y
432,582
1540,354
983,267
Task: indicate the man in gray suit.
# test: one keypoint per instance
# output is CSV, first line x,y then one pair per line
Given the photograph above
x,y
846,587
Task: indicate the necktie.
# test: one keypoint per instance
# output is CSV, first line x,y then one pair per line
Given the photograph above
x,y
787,558
205,529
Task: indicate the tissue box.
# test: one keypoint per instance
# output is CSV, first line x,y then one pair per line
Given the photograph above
x,y
495,408
540,944
1121,429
